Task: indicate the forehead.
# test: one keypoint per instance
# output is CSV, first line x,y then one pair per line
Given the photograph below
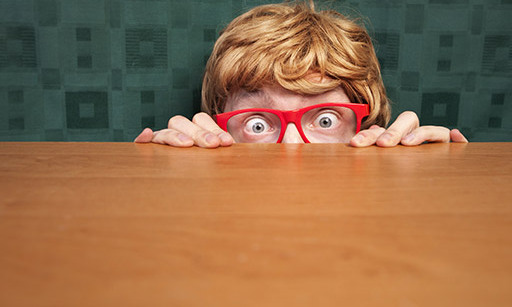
x,y
276,97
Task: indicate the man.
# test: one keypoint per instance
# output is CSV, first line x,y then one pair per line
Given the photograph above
x,y
287,73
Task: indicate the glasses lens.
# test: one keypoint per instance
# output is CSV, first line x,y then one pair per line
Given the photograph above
x,y
329,124
254,127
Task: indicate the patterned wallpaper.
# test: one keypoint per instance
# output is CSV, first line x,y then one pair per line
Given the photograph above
x,y
101,70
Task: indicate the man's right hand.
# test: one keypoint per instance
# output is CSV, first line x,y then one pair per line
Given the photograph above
x,y
202,131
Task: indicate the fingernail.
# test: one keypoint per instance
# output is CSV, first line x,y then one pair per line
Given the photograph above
x,y
184,138
385,138
226,138
210,138
408,138
358,139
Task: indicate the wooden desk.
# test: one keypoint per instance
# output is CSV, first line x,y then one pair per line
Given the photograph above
x,y
104,224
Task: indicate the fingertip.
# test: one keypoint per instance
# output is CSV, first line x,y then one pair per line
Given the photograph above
x,y
357,141
385,140
210,140
145,136
410,140
457,136
226,139
185,140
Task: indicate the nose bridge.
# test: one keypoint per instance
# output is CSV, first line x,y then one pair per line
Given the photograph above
x,y
291,134
290,116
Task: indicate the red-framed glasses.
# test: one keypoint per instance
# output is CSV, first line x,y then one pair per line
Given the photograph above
x,y
320,123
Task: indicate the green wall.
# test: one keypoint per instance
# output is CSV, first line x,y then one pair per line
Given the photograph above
x,y
101,70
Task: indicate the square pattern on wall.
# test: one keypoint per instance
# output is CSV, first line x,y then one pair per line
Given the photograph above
x,y
105,69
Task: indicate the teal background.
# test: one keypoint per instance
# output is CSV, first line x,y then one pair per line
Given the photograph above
x,y
101,70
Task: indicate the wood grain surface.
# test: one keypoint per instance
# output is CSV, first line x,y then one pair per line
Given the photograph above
x,y
122,224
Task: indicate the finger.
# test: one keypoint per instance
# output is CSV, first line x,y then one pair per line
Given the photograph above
x,y
200,136
145,136
403,125
422,134
204,121
367,137
457,136
172,137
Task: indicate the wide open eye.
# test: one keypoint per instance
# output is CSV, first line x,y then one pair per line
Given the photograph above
x,y
257,125
332,124
254,127
326,120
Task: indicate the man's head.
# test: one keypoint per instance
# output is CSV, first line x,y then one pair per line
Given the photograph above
x,y
293,46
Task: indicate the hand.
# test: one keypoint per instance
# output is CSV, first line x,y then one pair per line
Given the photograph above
x,y
406,130
202,131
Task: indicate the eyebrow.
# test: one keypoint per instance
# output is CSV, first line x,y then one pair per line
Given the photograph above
x,y
257,98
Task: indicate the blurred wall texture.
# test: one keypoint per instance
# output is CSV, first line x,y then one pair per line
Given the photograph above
x,y
101,70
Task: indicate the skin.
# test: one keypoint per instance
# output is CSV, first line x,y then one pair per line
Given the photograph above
x,y
202,131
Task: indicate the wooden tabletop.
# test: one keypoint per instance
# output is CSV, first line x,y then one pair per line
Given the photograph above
x,y
122,224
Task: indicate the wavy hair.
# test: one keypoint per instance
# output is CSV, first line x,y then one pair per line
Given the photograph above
x,y
283,44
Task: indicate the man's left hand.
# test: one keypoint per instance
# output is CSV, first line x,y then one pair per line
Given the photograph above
x,y
406,130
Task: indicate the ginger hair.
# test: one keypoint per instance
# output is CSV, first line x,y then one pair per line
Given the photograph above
x,y
283,44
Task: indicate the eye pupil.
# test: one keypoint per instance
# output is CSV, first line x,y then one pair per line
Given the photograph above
x,y
325,122
258,128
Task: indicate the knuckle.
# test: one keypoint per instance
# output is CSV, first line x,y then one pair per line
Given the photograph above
x,y
369,133
380,130
364,134
167,134
199,117
217,131
434,133
369,136
167,137
393,133
445,134
159,137
413,117
176,121
199,135
434,129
